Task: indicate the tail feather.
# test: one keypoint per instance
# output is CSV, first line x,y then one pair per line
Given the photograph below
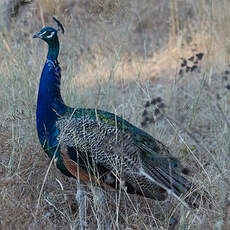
x,y
179,185
173,182
176,181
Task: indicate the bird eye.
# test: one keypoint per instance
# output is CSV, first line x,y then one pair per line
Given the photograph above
x,y
48,33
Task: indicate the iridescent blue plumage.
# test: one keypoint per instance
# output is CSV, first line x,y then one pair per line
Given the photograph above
x,y
102,144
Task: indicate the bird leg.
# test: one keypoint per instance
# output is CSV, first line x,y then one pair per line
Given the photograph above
x,y
100,208
81,194
98,195
81,200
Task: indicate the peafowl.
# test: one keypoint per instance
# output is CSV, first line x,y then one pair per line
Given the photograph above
x,y
100,147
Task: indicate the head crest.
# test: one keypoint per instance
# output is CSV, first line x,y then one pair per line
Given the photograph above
x,y
60,26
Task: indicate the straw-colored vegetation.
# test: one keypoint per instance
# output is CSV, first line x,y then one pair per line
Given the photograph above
x,y
117,55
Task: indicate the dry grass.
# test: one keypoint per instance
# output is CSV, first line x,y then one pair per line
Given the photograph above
x,y
116,57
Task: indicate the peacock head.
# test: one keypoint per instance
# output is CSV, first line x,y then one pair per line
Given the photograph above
x,y
49,34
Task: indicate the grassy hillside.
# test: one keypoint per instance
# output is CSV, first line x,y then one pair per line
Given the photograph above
x,y
118,56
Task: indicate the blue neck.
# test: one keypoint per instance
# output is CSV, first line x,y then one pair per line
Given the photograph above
x,y
53,49
50,105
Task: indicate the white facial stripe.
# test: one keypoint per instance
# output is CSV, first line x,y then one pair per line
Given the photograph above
x,y
51,35
43,33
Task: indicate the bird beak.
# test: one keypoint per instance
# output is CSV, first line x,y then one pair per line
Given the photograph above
x,y
37,35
